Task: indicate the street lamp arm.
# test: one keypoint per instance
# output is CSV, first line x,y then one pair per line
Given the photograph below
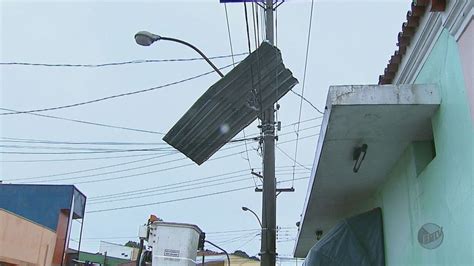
x,y
256,216
195,49
223,250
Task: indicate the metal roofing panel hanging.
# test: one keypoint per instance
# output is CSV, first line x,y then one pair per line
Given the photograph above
x,y
231,104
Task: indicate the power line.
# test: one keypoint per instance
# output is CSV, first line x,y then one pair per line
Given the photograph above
x,y
250,240
88,122
69,148
304,121
256,27
237,238
130,156
130,169
59,142
230,37
114,96
183,188
72,150
294,161
169,201
157,188
183,199
55,142
120,164
233,231
304,81
90,169
160,170
306,100
233,62
216,233
247,27
138,61
88,152
178,185
104,167
152,189
248,230
77,159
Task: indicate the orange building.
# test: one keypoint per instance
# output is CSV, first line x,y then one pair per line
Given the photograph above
x,y
35,223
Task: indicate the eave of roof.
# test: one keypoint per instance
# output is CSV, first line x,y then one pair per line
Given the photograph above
x,y
405,37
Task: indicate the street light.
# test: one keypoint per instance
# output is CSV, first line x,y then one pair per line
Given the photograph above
x,y
145,38
256,216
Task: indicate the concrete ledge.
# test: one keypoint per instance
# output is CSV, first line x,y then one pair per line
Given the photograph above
x,y
385,117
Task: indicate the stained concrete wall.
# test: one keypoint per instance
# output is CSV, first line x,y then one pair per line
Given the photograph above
x,y
440,191
23,242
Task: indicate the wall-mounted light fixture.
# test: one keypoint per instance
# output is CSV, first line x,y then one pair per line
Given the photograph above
x,y
319,234
358,156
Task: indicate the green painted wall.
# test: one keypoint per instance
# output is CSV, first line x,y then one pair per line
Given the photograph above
x,y
98,258
441,192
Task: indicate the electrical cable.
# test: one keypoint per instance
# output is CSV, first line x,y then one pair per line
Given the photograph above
x,y
247,27
114,96
87,152
233,62
295,162
232,231
61,142
55,147
130,169
306,100
183,188
256,26
88,122
157,188
250,240
126,156
55,142
229,34
124,170
89,169
304,79
138,61
111,172
236,238
183,199
76,159
179,185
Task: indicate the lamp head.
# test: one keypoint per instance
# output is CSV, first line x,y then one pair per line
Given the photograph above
x,y
245,208
145,38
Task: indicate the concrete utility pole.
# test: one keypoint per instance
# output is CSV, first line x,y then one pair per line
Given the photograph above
x,y
268,244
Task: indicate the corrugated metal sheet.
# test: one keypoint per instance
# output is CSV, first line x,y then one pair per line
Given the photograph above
x,y
231,104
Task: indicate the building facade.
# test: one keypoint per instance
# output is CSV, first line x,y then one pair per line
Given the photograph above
x,y
418,166
35,223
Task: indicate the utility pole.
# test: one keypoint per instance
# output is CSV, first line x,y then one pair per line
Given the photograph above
x,y
268,244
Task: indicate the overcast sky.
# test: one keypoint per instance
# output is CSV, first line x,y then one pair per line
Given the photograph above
x,y
351,42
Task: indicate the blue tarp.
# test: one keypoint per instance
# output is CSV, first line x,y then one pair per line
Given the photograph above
x,y
354,241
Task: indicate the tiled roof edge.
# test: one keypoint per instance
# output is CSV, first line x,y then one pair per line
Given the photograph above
x,y
405,37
